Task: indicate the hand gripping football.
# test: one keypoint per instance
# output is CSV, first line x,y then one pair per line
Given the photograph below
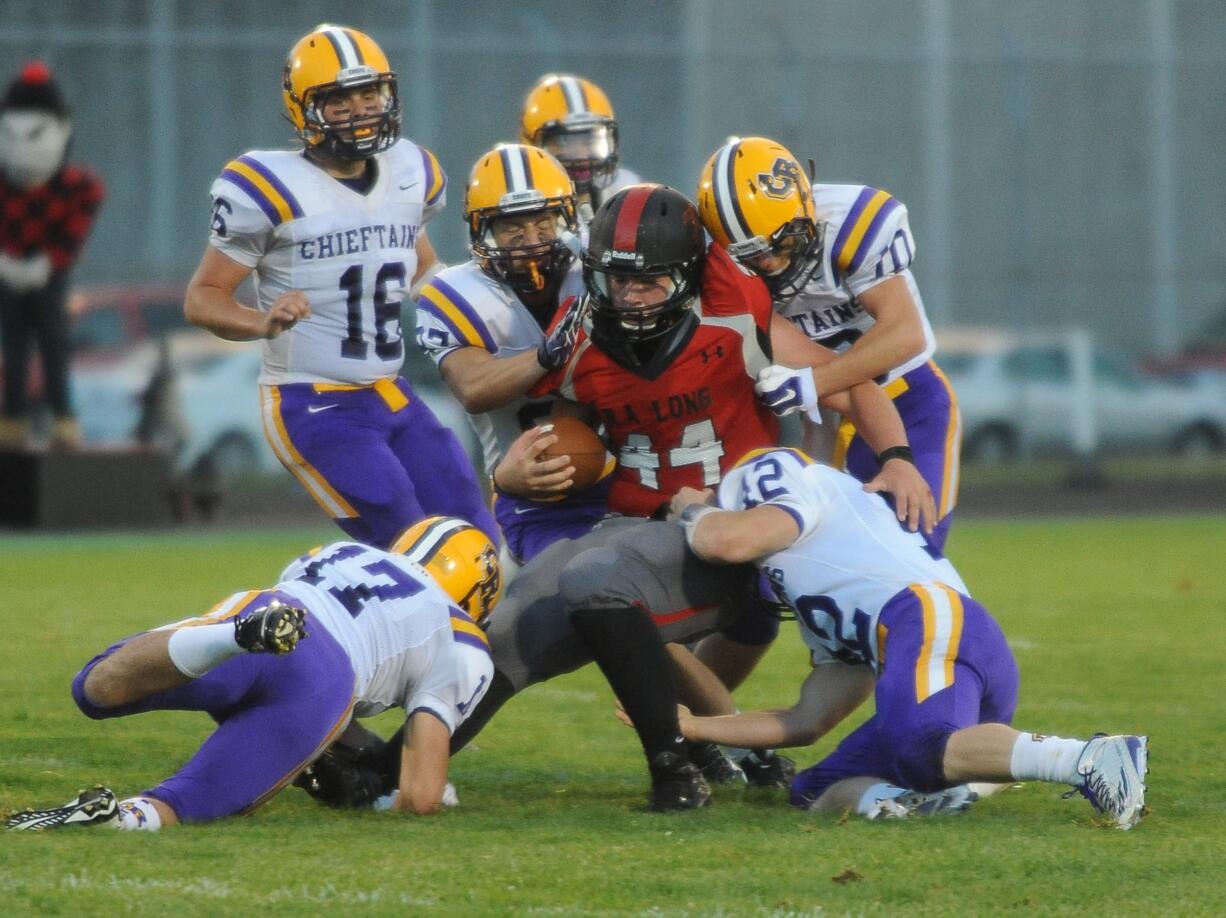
x,y
586,450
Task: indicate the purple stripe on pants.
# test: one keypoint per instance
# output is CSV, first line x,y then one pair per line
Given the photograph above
x,y
904,741
925,409
393,467
274,715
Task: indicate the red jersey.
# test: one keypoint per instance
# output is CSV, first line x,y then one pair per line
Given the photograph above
x,y
692,422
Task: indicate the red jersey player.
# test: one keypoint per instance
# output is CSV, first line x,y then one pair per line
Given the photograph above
x,y
666,360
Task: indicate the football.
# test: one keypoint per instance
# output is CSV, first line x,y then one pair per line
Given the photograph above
x,y
586,450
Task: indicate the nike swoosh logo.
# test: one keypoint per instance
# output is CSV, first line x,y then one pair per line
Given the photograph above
x,y
315,409
408,186
519,510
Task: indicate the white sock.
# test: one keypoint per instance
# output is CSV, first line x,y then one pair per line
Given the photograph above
x,y
138,814
875,794
1045,758
196,650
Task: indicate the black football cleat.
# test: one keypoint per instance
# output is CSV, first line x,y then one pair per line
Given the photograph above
x,y
767,768
715,766
94,807
676,784
274,628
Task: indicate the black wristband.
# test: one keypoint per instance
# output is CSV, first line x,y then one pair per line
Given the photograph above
x,y
896,452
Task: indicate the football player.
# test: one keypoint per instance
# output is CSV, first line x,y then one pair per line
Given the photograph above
x,y
349,631
335,233
483,323
837,260
572,118
866,591
667,358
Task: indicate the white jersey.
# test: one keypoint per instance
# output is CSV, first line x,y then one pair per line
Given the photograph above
x,y
354,255
462,306
866,240
622,178
851,558
409,645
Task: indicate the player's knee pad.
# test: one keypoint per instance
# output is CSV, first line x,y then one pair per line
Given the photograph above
x,y
921,757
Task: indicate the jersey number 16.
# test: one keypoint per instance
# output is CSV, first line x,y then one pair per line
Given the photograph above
x,y
354,345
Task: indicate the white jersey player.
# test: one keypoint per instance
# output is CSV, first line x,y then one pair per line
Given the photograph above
x,y
335,235
837,260
572,118
349,631
882,613
484,324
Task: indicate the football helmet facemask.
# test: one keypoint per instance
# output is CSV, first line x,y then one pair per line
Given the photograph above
x,y
572,119
755,200
515,180
461,559
647,233
336,59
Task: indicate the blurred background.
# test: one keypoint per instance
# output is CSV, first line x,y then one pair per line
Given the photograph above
x,y
1063,162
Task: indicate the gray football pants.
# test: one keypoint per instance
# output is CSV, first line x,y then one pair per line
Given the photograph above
x,y
623,562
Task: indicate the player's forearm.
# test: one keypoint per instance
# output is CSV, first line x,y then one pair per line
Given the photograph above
x,y
753,729
423,765
215,310
875,417
875,354
482,383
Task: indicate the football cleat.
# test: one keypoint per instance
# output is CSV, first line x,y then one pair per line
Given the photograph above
x,y
915,803
274,628
715,766
767,768
676,784
94,807
1112,770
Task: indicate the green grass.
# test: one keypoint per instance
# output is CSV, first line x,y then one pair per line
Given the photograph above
x,y
1116,625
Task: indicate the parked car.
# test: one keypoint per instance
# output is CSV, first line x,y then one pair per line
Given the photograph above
x,y
216,402
1019,396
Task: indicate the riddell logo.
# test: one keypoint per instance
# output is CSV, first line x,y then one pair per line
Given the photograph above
x,y
611,255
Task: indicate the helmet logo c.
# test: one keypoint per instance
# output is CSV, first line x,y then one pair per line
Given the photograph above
x,y
783,178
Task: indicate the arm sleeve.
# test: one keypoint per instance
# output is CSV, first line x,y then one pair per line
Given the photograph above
x,y
458,675
874,243
773,479
436,186
240,229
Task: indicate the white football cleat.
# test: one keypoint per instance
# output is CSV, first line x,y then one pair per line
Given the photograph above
x,y
94,807
1112,770
914,803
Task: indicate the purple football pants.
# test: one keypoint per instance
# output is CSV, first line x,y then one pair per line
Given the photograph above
x,y
374,457
929,412
904,741
274,715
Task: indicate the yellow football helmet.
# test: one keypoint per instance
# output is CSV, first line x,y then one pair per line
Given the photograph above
x,y
755,199
516,180
461,559
332,59
571,118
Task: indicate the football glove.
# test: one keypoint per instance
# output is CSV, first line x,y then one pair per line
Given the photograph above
x,y
555,349
784,390
343,778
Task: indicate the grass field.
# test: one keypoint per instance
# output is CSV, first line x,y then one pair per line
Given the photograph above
x,y
1116,625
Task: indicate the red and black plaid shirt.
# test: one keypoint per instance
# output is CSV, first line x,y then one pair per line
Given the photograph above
x,y
54,218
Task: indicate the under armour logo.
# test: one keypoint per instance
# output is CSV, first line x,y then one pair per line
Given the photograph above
x,y
715,353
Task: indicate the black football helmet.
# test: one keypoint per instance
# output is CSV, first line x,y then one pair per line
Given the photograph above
x,y
645,230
